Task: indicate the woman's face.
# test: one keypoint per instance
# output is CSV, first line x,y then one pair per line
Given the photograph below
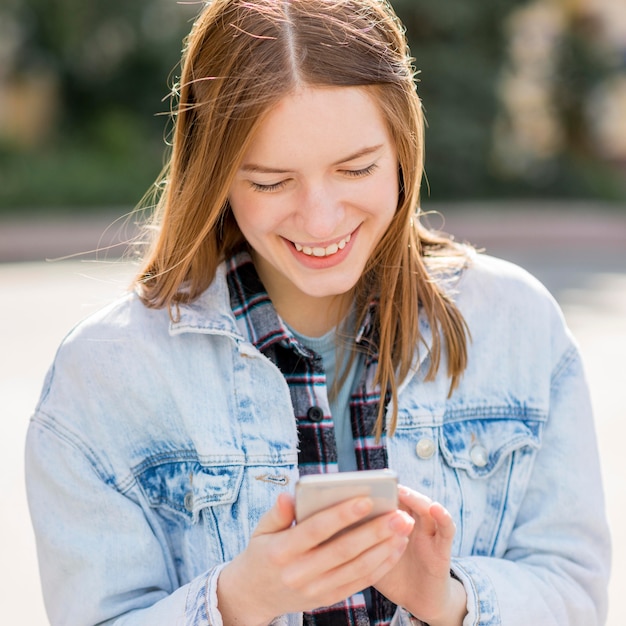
x,y
315,192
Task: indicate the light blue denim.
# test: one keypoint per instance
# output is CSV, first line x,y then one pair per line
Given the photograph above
x,y
157,446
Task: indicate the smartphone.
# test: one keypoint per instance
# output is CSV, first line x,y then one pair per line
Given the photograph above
x,y
316,492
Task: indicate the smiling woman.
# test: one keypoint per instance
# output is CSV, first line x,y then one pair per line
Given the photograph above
x,y
278,52
293,316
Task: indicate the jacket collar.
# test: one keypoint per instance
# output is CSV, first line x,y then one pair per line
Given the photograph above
x,y
210,313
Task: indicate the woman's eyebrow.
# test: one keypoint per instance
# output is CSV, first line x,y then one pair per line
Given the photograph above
x,y
263,169
360,153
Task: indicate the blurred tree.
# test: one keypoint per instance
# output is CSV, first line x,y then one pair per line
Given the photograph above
x,y
112,57
546,139
459,48
583,65
111,60
462,51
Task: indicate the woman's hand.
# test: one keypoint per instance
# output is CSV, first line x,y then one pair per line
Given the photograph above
x,y
291,568
420,581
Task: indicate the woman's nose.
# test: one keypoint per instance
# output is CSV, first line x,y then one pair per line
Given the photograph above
x,y
321,212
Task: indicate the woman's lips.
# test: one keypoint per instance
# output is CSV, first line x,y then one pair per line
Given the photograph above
x,y
320,251
324,256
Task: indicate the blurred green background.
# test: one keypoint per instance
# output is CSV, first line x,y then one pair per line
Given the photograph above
x,y
523,99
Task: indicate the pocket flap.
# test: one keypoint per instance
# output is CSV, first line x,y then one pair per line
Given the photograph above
x,y
188,486
479,446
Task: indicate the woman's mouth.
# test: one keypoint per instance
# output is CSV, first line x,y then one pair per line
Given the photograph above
x,y
319,251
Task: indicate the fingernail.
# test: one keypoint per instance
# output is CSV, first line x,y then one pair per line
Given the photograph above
x,y
362,506
400,523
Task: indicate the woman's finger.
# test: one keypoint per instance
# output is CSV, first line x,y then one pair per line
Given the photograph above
x,y
349,545
446,527
349,576
419,506
279,517
323,525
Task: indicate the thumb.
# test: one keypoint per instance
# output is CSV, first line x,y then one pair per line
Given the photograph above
x,y
280,517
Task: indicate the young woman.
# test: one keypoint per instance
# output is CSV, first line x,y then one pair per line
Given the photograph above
x,y
293,316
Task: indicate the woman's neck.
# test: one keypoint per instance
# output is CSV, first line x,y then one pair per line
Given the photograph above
x,y
312,316
308,315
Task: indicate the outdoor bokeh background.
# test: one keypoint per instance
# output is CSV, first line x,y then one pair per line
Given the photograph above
x,y
525,156
523,99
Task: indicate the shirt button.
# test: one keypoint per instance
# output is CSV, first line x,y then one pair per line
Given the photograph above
x,y
315,414
479,456
188,502
425,448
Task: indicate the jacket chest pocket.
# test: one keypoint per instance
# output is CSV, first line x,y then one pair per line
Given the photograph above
x,y
192,505
487,465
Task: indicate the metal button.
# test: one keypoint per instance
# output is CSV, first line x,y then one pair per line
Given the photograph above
x,y
315,414
188,501
479,456
425,448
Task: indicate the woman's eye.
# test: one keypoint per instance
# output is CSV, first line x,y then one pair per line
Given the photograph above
x,y
268,188
362,172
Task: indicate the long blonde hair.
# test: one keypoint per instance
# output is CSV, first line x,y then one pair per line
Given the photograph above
x,y
240,59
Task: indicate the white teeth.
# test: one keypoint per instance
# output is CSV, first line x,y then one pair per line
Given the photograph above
x,y
320,252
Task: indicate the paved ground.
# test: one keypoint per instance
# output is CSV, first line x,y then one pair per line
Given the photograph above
x,y
579,252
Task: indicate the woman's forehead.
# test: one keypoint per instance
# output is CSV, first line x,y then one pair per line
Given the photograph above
x,y
340,122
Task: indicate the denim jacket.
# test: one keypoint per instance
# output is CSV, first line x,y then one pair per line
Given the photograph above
x,y
157,445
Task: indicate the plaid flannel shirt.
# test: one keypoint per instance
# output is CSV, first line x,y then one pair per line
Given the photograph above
x,y
304,372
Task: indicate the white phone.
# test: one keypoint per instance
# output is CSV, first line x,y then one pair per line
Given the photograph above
x,y
316,492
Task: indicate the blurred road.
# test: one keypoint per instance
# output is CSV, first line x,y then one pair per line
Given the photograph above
x,y
577,250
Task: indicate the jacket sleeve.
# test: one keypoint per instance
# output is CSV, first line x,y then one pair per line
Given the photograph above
x,y
93,572
556,566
